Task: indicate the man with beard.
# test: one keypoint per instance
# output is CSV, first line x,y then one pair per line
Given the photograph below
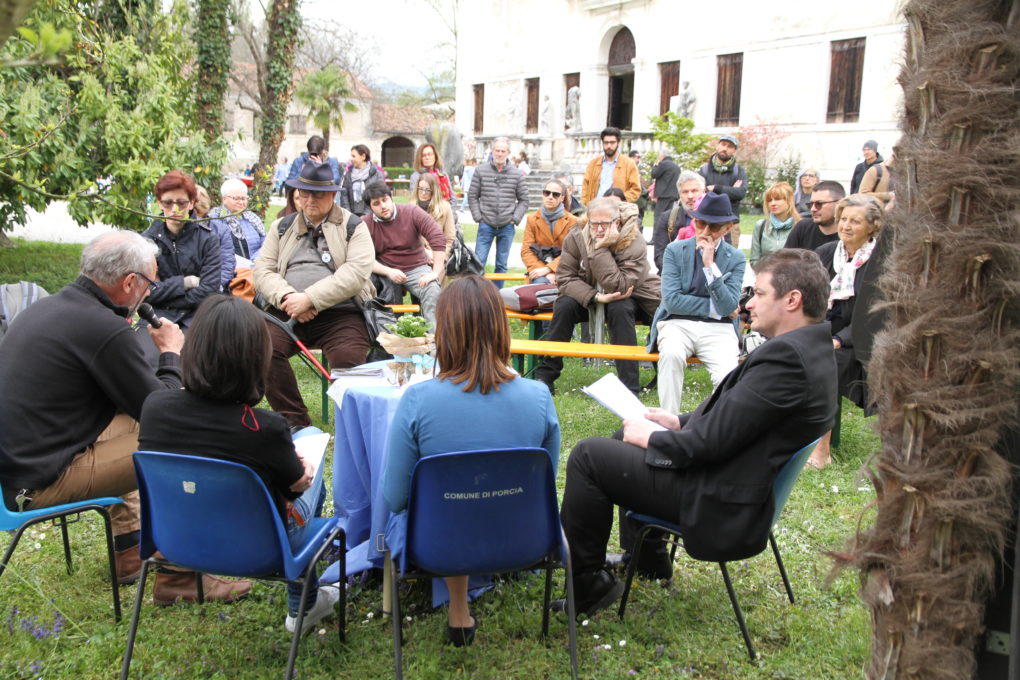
x,y
723,175
820,228
611,169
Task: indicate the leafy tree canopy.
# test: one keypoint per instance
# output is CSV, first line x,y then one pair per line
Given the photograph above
x,y
106,121
690,149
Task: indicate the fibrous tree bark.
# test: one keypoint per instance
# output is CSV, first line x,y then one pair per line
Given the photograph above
x,y
945,368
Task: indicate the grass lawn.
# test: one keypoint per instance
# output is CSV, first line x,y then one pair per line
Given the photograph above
x,y
685,630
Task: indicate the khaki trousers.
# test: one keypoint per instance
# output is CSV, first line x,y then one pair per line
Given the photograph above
x,y
102,469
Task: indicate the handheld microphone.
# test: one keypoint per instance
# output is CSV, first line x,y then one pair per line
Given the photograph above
x,y
146,311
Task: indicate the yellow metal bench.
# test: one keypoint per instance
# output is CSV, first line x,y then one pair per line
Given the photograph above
x,y
520,347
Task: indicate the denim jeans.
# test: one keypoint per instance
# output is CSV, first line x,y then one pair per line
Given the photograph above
x,y
308,505
504,239
427,296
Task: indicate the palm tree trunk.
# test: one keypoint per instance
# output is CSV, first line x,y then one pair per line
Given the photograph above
x,y
945,369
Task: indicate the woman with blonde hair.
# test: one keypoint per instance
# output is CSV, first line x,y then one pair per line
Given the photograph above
x,y
430,199
771,231
475,402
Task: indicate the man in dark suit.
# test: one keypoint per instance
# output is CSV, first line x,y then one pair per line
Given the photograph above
x,y
711,471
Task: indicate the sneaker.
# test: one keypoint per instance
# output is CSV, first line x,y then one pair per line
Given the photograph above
x,y
325,602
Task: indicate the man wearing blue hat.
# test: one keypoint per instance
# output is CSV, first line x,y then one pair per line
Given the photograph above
x,y
723,175
701,279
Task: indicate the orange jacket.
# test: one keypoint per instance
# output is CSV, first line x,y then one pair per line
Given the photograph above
x,y
625,176
536,231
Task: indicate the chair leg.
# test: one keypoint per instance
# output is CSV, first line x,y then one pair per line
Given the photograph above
x,y
112,559
545,601
67,544
782,567
200,587
133,630
632,567
12,546
398,637
343,586
571,609
295,639
736,610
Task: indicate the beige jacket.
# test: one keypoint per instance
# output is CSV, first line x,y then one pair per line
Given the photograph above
x,y
353,262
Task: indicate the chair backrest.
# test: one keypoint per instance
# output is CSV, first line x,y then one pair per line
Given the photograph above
x,y
482,511
787,477
208,515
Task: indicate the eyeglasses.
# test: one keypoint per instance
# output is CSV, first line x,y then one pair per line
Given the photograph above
x,y
554,194
603,225
179,203
424,190
809,174
151,284
238,198
819,204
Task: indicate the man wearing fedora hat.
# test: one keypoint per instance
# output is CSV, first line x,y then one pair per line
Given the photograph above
x,y
723,175
701,279
314,268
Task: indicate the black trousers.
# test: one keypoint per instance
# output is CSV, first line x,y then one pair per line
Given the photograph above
x,y
602,473
620,317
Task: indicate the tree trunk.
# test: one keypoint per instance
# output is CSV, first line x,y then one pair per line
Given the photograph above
x,y
214,65
325,137
945,368
282,24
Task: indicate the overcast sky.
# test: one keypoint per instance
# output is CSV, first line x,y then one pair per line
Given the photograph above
x,y
402,33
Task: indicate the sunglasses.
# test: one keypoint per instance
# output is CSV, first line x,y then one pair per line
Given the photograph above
x,y
554,194
819,204
179,203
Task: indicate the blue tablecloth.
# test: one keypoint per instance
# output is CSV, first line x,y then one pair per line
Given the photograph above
x,y
362,432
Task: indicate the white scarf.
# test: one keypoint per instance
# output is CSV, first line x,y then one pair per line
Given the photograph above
x,y
842,285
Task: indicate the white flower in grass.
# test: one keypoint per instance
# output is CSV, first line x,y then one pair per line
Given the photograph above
x,y
370,615
835,489
623,643
585,622
322,631
595,636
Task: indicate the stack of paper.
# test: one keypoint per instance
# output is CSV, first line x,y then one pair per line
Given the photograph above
x,y
611,393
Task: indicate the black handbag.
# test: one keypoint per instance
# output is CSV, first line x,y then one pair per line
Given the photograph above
x,y
546,253
462,259
377,318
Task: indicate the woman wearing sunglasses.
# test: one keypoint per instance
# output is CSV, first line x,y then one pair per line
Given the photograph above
x,y
189,252
544,233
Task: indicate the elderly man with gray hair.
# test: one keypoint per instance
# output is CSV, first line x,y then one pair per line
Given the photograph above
x,y
675,224
74,377
604,261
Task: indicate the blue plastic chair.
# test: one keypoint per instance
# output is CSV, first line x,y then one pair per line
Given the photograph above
x,y
480,512
217,517
781,488
19,522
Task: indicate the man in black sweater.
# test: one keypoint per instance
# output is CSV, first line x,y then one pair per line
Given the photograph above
x,y
74,378
665,174
820,228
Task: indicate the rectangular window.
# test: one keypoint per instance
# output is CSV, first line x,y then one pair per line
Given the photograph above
x,y
297,125
669,84
727,90
531,126
845,76
479,108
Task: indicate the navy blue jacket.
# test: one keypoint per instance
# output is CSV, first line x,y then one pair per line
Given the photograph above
x,y
194,252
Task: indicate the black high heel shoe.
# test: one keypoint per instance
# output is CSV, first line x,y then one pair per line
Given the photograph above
x,y
461,637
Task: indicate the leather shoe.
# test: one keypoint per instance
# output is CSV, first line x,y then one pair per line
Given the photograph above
x,y
180,586
655,567
593,591
129,565
462,637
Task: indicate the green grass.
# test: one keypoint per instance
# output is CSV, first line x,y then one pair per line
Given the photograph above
x,y
686,630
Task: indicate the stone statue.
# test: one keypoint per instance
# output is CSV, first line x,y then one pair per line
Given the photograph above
x,y
687,101
514,110
547,116
573,113
448,141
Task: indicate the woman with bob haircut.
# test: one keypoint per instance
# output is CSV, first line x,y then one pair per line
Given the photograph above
x,y
475,402
225,362
770,232
189,252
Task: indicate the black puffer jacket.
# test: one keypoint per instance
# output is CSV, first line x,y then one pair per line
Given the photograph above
x,y
193,252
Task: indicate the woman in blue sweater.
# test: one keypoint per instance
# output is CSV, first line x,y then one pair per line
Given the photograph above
x,y
475,402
